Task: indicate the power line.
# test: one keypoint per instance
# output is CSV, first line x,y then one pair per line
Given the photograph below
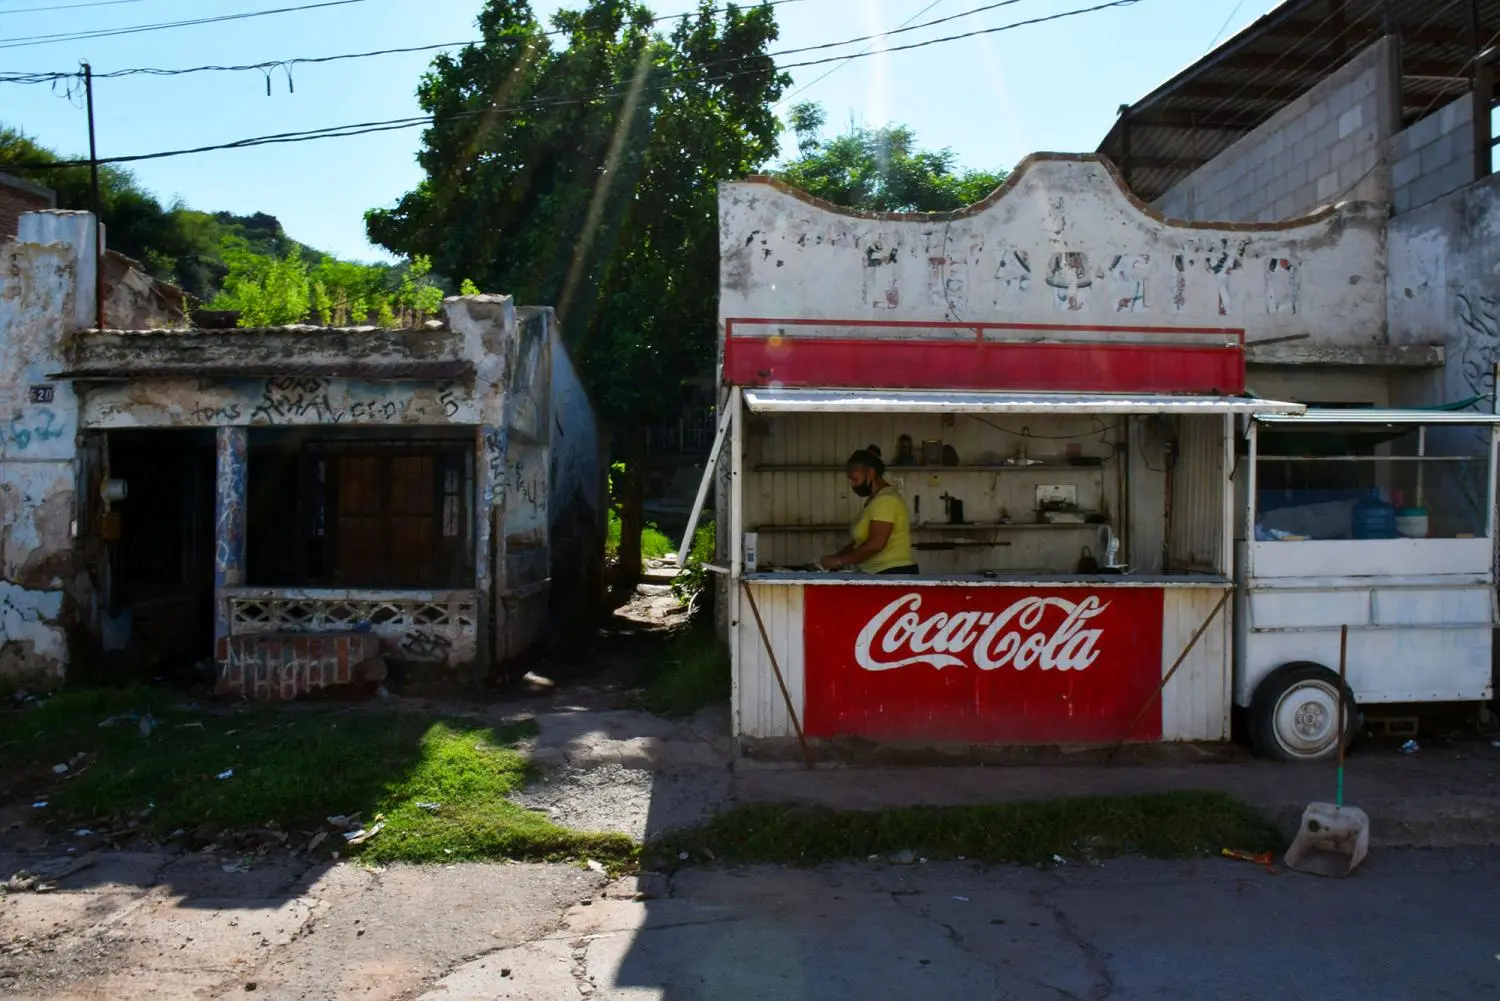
x,y
43,77
828,73
287,64
66,6
1337,38
12,43
1219,34
1383,159
366,128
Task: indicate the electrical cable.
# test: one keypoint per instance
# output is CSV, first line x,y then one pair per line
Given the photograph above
x,y
1218,34
365,128
39,77
1383,158
14,43
65,6
42,77
828,73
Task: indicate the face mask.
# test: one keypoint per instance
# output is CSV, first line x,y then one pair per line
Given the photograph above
x,y
864,489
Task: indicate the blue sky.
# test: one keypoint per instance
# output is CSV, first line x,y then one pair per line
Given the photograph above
x,y
993,98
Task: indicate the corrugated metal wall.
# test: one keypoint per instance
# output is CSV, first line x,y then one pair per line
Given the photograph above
x,y
1195,703
1197,529
760,709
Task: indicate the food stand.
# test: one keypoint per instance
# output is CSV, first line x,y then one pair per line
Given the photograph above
x,y
1072,517
1379,520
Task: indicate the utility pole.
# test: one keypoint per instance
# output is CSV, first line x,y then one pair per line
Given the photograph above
x,y
88,90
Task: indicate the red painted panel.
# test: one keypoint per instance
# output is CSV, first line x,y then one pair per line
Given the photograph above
x,y
982,665
1087,367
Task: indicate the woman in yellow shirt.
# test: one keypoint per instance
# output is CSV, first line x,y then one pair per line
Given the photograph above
x,y
882,532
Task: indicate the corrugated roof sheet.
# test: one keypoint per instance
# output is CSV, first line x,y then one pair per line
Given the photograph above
x,y
1389,417
1206,108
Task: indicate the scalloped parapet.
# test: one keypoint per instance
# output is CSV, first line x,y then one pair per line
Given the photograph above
x,y
1062,242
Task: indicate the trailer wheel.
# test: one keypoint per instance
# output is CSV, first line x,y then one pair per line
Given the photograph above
x,y
1295,710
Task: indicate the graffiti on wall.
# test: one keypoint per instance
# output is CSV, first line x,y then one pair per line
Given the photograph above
x,y
1079,280
229,514
278,401
25,430
419,644
309,401
1479,323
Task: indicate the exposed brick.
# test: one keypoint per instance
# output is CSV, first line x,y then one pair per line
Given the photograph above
x,y
18,197
288,666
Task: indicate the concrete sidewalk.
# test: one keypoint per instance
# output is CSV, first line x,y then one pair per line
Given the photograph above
x,y
1444,796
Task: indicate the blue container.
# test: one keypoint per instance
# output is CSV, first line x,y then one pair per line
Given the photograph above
x,y
1375,518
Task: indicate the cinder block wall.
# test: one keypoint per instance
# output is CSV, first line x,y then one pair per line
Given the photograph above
x,y
1434,157
1323,147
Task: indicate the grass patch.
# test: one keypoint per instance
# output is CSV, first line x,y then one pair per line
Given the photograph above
x,y
654,545
692,672
292,767
1168,825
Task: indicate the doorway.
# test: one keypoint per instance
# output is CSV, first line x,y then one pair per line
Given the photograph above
x,y
160,540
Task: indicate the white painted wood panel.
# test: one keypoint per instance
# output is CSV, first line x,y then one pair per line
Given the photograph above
x,y
1195,703
1309,609
1385,665
1437,606
1370,557
760,708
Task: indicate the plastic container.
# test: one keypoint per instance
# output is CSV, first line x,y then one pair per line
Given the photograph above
x,y
1411,522
1374,518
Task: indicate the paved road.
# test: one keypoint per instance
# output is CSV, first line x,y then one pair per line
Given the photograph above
x,y
1413,924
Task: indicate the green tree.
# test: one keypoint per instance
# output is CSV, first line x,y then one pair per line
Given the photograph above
x,y
880,170
583,174
268,291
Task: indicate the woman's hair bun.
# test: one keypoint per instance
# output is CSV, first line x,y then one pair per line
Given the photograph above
x,y
873,450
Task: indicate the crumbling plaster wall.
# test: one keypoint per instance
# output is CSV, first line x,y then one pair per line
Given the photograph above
x,y
40,273
1445,288
1061,243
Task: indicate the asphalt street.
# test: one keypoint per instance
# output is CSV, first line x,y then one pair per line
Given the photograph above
x,y
1411,924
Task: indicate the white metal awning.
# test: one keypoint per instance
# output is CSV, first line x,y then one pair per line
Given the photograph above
x,y
1370,416
853,401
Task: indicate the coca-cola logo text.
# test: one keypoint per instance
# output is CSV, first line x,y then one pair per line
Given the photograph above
x,y
1016,636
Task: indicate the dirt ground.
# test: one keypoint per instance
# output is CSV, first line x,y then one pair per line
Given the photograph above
x,y
147,922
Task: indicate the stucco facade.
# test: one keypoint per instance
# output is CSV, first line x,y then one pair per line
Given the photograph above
x,y
1061,242
303,483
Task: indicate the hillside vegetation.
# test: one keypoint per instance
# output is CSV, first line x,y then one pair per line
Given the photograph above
x,y
224,261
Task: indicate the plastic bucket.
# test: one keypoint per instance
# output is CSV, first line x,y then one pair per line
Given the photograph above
x,y
1411,523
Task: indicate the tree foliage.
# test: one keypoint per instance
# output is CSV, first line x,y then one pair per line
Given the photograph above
x,y
246,263
881,169
582,173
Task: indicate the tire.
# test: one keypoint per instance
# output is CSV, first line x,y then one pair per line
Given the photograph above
x,y
1294,713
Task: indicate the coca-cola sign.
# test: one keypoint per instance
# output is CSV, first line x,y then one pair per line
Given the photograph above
x,y
1051,633
981,664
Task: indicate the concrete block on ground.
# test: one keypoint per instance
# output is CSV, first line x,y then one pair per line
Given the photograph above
x,y
642,753
549,759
